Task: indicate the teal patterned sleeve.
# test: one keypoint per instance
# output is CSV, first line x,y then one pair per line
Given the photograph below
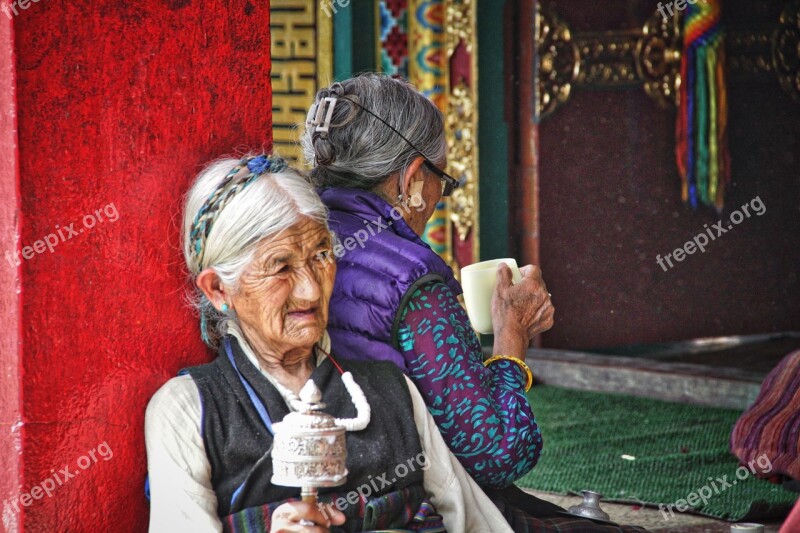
x,y
483,413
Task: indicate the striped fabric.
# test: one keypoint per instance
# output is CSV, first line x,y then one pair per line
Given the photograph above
x,y
771,425
252,520
404,511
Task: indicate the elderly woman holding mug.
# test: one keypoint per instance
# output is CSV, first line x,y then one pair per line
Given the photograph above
x,y
377,147
255,241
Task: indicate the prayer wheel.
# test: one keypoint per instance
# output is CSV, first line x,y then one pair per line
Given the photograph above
x,y
309,448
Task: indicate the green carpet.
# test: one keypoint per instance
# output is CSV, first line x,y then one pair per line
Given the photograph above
x,y
676,447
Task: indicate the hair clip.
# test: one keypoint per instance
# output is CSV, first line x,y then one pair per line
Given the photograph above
x,y
323,109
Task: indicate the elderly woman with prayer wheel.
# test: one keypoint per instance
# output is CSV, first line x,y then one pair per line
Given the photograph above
x,y
255,242
377,147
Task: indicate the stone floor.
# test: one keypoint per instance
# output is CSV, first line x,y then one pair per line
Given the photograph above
x,y
719,372
725,372
651,518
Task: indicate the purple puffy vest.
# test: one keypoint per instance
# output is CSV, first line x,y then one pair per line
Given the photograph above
x,y
384,263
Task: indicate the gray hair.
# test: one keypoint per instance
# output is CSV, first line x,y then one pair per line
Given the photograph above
x,y
360,151
271,204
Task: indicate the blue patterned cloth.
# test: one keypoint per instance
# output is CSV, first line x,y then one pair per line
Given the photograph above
x,y
483,413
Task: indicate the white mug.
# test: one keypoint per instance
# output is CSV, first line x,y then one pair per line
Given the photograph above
x,y
479,281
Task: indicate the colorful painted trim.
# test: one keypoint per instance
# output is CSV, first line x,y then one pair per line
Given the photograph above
x,y
393,37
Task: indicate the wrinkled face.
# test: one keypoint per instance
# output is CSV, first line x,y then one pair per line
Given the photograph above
x,y
283,295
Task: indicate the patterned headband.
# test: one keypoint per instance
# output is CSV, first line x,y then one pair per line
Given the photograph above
x,y
224,193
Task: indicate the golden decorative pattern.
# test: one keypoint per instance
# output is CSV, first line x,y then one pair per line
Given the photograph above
x,y
462,155
558,61
658,59
786,50
606,59
650,57
749,53
302,52
460,25
462,122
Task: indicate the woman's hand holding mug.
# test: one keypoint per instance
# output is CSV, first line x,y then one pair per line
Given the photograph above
x,y
520,311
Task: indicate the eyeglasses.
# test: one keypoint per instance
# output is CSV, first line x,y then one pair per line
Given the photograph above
x,y
449,182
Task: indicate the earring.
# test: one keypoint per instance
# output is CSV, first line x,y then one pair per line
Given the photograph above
x,y
225,308
414,201
415,195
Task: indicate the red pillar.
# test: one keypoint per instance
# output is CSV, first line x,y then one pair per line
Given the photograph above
x,y
119,104
9,284
525,188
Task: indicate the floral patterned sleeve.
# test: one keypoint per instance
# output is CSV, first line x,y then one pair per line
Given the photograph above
x,y
483,413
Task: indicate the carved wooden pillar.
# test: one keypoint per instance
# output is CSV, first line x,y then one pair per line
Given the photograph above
x,y
462,128
523,137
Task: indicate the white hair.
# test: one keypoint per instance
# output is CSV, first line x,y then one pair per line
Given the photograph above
x,y
271,204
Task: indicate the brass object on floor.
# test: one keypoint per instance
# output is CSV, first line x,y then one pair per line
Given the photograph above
x,y
590,507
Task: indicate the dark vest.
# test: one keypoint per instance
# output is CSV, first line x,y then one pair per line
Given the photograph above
x,y
237,442
374,282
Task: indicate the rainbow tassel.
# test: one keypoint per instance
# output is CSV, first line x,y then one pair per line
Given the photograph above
x,y
701,130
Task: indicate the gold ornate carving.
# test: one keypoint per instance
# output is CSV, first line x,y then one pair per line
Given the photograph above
x,y
658,59
302,52
558,62
461,144
749,53
462,121
650,57
786,50
460,25
606,58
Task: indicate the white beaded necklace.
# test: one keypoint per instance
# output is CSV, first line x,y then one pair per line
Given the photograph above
x,y
363,410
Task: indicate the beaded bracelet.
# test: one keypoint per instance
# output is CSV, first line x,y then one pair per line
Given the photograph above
x,y
520,362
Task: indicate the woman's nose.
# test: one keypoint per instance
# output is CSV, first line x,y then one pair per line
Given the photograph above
x,y
306,286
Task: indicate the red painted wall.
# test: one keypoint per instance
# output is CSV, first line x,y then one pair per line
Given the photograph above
x,y
118,104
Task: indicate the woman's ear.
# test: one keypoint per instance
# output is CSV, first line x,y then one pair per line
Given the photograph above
x,y
208,281
409,176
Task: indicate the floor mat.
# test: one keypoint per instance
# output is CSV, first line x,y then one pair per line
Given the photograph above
x,y
647,451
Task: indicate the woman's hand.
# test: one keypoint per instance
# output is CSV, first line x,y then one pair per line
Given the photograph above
x,y
521,311
287,518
